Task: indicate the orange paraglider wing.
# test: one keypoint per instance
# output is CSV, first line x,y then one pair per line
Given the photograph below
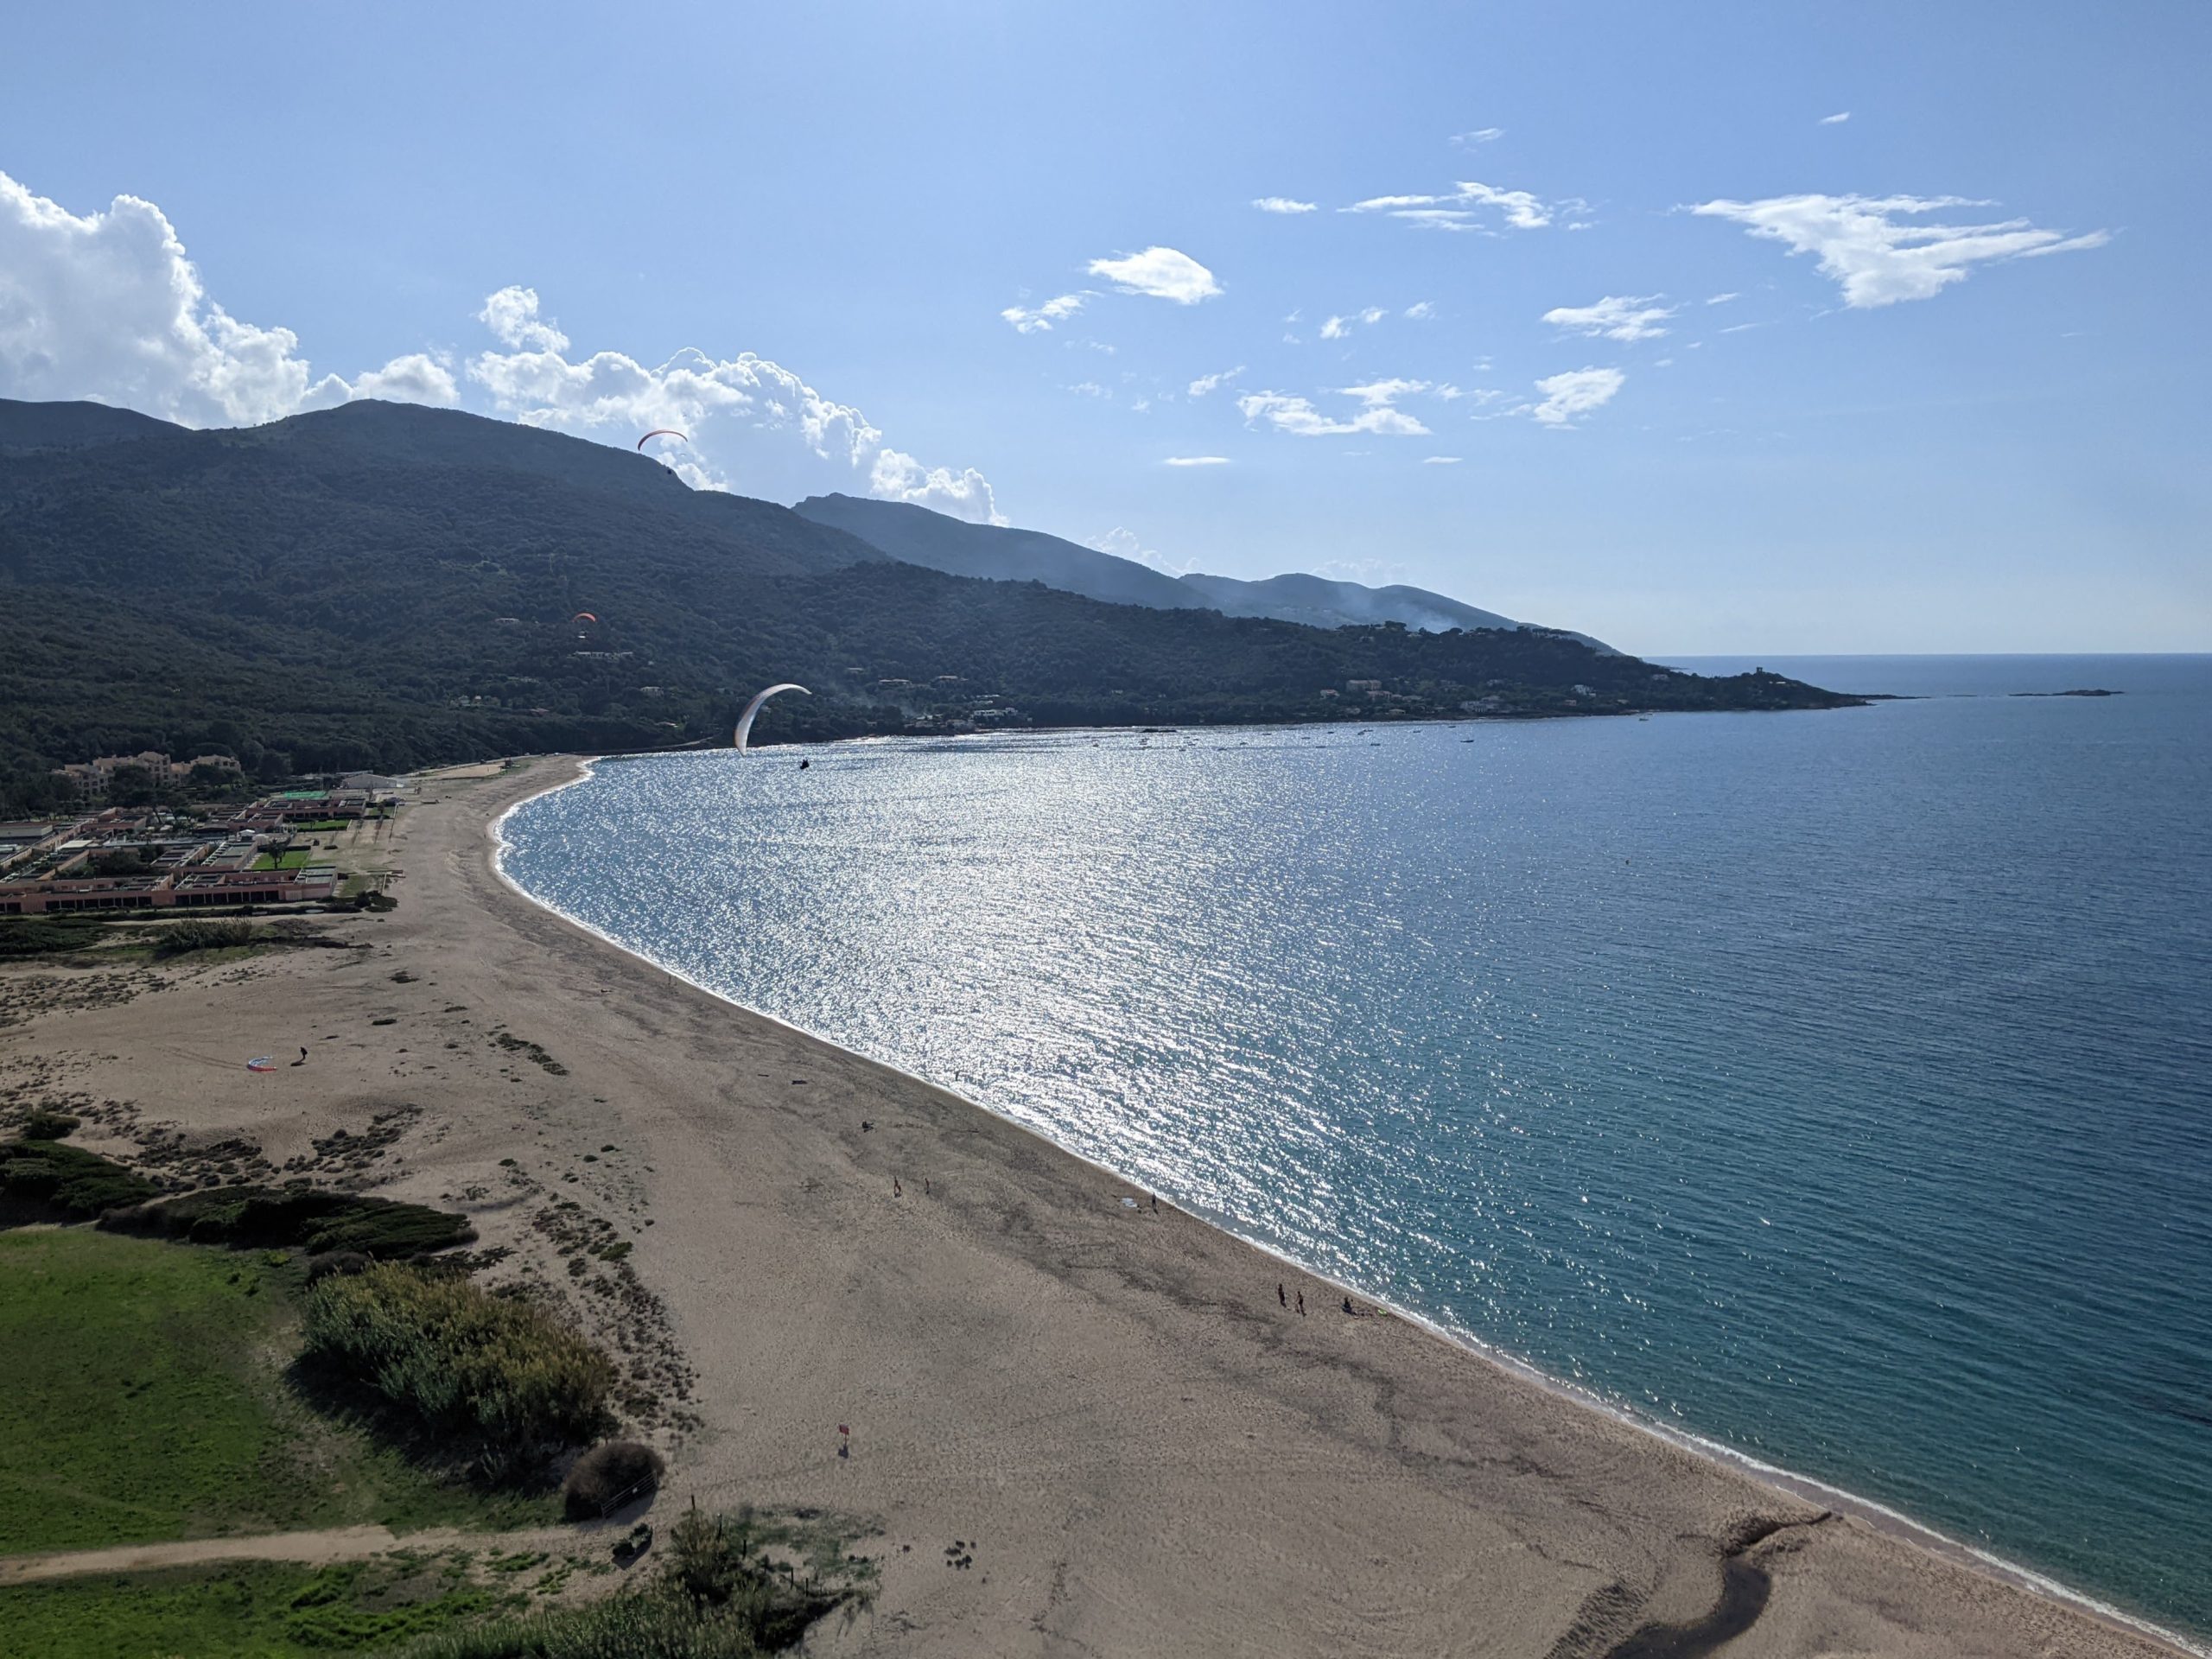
x,y
660,432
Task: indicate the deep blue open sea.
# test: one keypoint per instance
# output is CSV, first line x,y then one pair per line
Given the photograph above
x,y
1837,1087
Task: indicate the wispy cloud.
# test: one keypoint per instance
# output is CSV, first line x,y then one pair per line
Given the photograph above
x,y
1614,317
1479,136
1569,396
1125,543
1879,251
1299,418
1039,320
1206,382
1162,273
1338,328
1723,299
1439,460
1284,204
1835,120
1460,210
1419,311
1196,460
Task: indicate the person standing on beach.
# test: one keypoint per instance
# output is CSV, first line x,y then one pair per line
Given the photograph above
x,y
1301,1304
1280,1297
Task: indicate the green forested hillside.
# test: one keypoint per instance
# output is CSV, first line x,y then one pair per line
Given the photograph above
x,y
388,586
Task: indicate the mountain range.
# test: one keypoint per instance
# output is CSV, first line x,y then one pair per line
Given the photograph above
x,y
994,553
389,586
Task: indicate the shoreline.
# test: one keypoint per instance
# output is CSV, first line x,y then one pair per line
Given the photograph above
x,y
1101,1409
1787,1483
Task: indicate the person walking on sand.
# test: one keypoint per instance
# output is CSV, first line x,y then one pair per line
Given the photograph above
x,y
1280,1297
1301,1304
897,1191
1349,1308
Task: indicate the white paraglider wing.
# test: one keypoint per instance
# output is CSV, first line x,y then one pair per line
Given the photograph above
x,y
745,720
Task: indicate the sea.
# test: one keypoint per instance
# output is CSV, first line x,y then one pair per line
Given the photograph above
x,y
1835,1088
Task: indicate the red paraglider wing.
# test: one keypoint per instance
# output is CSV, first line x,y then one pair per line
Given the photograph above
x,y
583,616
660,432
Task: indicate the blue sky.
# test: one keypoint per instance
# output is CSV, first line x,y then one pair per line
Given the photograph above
x,y
1954,403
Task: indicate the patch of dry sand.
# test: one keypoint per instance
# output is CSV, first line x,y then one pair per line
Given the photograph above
x,y
1138,1449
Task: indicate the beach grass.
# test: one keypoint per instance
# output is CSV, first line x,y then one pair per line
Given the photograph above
x,y
268,1610
145,1396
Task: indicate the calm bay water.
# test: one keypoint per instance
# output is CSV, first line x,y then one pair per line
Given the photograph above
x,y
1834,1086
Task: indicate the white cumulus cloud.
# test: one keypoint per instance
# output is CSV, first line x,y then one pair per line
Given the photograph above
x,y
1297,416
108,306
1614,317
512,316
1196,460
1284,204
754,424
1206,382
1163,273
1041,319
1421,310
417,377
1458,210
1570,396
1880,249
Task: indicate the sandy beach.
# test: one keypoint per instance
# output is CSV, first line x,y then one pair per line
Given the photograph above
x,y
1104,1407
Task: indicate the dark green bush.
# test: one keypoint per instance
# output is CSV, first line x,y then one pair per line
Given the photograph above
x,y
320,1267
201,933
644,1626
299,1218
607,1477
82,1183
46,936
502,1371
42,1125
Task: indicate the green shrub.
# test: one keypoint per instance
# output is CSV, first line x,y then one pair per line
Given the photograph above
x,y
503,1371
45,936
609,1477
43,1125
201,933
642,1626
298,1217
82,1183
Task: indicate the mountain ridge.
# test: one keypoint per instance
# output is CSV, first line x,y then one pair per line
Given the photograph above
x,y
384,586
1000,553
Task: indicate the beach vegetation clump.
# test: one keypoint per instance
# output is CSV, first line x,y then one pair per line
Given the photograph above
x,y
609,1475
317,1222
68,1179
23,936
728,1588
503,1372
202,933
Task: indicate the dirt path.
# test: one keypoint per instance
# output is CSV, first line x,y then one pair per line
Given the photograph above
x,y
307,1549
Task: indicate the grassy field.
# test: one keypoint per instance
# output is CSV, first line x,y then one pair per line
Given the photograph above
x,y
265,1611
143,1395
294,859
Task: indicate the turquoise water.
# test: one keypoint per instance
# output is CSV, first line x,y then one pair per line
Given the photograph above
x,y
1833,1086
